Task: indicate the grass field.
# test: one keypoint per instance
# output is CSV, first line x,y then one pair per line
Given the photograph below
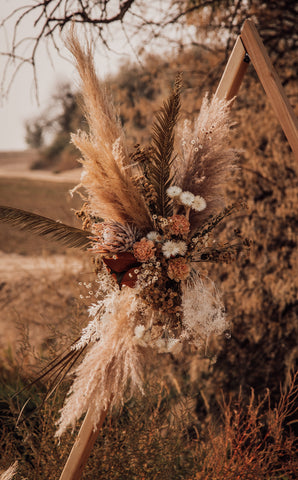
x,y
183,430
45,198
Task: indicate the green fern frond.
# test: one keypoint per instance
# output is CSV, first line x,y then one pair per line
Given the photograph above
x,y
159,168
44,226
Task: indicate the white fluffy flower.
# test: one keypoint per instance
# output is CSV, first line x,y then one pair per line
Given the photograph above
x,y
174,345
153,236
174,191
182,248
199,203
171,249
161,345
186,198
139,331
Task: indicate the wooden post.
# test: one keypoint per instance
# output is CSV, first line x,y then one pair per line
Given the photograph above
x,y
271,83
82,447
234,72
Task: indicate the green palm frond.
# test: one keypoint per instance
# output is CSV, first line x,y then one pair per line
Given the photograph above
x,y
44,226
159,168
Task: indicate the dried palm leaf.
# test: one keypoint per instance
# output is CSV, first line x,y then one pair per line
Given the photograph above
x,y
45,227
159,169
55,372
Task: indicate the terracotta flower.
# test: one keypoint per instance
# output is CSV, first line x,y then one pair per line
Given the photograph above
x,y
144,250
179,225
178,269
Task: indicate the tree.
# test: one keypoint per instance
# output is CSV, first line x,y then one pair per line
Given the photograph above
x,y
167,24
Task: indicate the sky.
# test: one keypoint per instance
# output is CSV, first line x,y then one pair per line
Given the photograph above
x,y
21,104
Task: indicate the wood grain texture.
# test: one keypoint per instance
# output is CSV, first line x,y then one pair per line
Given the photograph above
x,y
233,74
82,447
271,83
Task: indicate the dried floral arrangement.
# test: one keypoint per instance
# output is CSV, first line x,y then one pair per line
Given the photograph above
x,y
148,220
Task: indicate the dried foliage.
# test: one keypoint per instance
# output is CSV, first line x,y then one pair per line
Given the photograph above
x,y
159,167
252,443
162,437
45,227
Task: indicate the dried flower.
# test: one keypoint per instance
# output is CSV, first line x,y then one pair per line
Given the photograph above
x,y
182,246
113,237
170,248
179,225
139,331
178,269
153,236
187,198
144,250
203,312
199,204
174,191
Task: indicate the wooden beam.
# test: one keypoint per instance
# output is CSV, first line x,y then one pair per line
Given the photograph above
x,y
271,83
234,72
82,447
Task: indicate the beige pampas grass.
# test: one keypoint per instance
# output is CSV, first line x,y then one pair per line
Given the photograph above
x,y
10,472
107,171
112,362
203,311
205,162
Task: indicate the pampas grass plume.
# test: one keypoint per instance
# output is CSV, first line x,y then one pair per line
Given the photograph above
x,y
107,178
205,163
10,472
203,311
109,366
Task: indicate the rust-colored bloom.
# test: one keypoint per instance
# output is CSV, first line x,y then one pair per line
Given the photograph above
x,y
179,225
144,250
178,269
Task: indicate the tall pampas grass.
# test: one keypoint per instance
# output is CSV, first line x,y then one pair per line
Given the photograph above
x,y
107,170
203,311
10,472
205,161
113,362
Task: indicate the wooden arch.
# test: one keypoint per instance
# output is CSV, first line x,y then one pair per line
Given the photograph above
x,y
248,46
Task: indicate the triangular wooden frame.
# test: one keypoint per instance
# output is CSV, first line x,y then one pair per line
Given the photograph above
x,y
248,46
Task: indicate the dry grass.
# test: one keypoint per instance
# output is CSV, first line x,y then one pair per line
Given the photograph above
x,y
45,198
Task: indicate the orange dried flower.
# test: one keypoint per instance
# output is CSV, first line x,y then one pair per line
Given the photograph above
x,y
144,250
179,225
178,269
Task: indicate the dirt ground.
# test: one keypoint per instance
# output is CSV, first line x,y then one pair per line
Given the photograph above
x,y
17,164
